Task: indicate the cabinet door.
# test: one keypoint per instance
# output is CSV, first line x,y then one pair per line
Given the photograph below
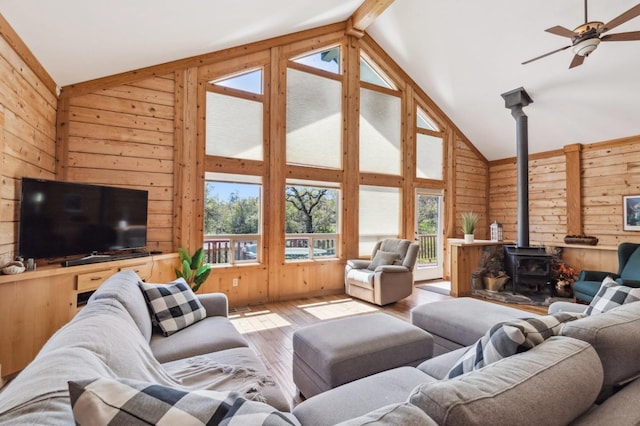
x,y
32,310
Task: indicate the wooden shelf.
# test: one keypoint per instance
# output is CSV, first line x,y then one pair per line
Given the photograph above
x,y
57,269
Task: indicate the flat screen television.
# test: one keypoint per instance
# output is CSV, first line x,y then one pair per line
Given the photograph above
x,y
62,219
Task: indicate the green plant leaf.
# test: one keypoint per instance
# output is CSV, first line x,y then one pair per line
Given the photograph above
x,y
201,275
196,260
178,273
184,255
186,271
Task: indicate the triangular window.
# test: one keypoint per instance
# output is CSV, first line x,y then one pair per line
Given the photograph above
x,y
424,122
371,73
327,60
247,82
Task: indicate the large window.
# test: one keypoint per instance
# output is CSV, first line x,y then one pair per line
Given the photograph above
x,y
379,216
311,221
380,120
235,117
232,213
233,203
314,110
429,148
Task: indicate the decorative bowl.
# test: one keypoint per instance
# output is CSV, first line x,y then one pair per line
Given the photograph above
x,y
13,268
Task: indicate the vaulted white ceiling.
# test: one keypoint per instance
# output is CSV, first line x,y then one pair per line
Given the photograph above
x,y
463,53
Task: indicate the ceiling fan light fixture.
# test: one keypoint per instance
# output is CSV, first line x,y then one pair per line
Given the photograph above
x,y
585,47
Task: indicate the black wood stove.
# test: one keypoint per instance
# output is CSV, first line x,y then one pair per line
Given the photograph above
x,y
525,264
528,267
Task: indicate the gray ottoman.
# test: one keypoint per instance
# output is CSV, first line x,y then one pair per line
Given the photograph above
x,y
459,322
331,353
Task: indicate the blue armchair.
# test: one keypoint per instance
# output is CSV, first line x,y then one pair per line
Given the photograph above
x,y
588,283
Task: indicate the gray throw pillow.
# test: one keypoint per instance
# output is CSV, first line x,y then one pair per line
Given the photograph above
x,y
611,295
509,338
382,258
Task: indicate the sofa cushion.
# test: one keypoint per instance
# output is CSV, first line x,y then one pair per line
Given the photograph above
x,y
382,258
173,306
612,295
508,338
615,335
360,397
123,401
551,384
208,335
621,409
393,415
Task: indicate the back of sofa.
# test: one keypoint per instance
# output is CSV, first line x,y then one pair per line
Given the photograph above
x,y
123,287
615,335
101,341
551,384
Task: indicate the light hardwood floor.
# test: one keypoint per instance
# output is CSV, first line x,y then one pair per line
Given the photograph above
x,y
269,327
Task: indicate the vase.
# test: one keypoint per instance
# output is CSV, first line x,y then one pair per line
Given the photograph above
x,y
494,284
468,238
563,289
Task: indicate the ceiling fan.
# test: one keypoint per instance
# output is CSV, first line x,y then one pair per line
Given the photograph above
x,y
586,37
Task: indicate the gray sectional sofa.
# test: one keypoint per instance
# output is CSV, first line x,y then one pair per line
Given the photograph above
x,y
112,337
586,375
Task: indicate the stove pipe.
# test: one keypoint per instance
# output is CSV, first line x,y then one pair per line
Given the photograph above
x,y
515,100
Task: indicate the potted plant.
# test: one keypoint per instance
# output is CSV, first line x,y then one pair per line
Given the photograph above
x,y
194,271
491,269
564,276
469,221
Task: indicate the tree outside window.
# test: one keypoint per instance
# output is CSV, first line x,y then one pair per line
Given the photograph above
x,y
231,221
310,210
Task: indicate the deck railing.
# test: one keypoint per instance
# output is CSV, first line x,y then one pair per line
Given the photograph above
x,y
220,249
428,251
232,249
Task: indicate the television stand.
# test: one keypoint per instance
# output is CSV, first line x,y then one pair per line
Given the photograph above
x,y
99,258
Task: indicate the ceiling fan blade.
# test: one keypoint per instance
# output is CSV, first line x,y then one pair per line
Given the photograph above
x,y
545,55
630,36
561,31
577,60
621,19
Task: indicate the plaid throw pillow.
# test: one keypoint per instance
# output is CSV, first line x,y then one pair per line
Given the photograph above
x,y
612,295
129,402
509,338
173,306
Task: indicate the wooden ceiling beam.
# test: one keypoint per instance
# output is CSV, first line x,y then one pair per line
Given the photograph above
x,y
364,16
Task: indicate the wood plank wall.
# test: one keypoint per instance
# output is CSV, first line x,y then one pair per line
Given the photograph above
x,y
471,183
608,171
124,136
139,129
28,105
